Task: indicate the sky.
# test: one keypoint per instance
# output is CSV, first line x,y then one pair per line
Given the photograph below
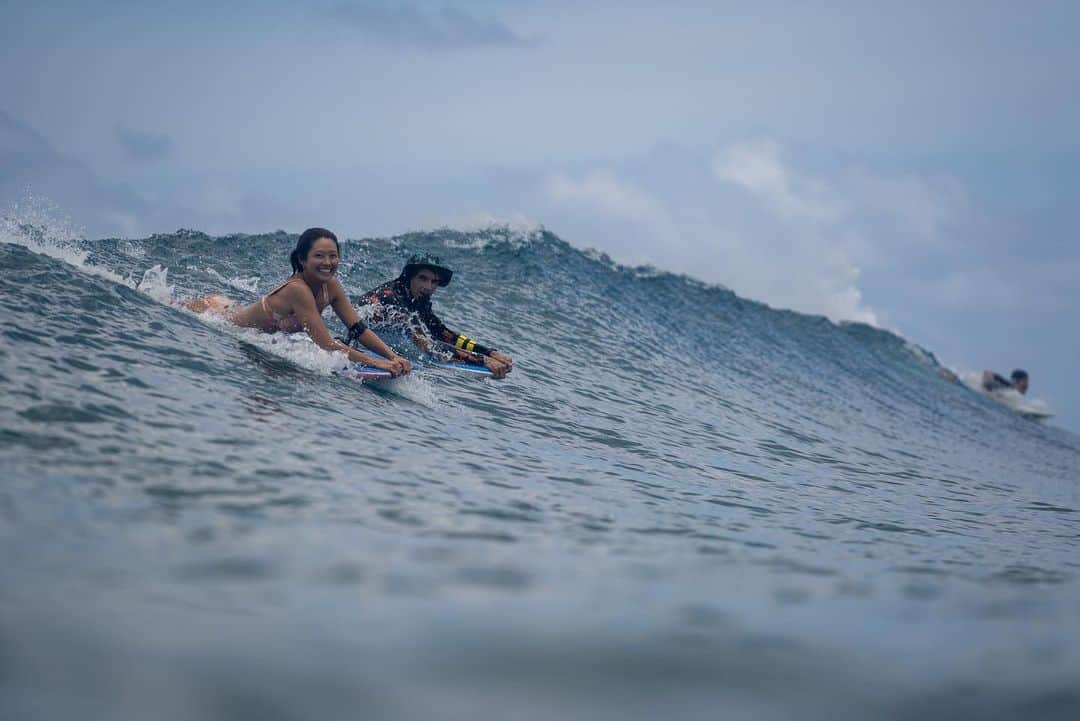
x,y
912,165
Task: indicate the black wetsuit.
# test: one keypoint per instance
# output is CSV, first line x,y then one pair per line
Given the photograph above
x,y
394,295
996,383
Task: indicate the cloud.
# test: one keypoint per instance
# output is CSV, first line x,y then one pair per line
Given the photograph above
x,y
36,180
449,28
1019,286
985,288
756,167
17,141
616,215
30,166
748,218
602,191
143,146
923,208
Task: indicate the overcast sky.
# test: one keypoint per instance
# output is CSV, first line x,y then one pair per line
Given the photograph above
x,y
913,165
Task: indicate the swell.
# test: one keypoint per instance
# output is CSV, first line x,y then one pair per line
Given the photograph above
x,y
664,450
634,359
581,317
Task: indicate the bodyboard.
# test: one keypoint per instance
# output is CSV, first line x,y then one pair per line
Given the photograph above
x,y
465,367
364,373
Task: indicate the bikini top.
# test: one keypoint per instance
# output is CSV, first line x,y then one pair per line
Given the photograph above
x,y
288,322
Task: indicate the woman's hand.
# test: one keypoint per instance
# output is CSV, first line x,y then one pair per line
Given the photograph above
x,y
397,365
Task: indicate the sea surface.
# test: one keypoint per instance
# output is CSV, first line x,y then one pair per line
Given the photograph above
x,y
681,504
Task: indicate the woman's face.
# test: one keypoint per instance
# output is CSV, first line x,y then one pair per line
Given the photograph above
x,y
322,260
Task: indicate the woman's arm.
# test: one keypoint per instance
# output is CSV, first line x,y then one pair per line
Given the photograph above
x,y
375,343
339,301
305,310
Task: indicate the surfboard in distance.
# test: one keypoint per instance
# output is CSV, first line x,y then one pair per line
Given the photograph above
x,y
1032,408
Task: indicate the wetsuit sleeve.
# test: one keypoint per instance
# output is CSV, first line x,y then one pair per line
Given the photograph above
x,y
433,324
467,348
465,343
995,382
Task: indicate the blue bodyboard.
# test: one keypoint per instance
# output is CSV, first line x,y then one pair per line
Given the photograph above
x,y
365,373
466,367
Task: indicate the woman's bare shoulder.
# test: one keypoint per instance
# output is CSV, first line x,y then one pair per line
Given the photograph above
x,y
337,290
296,291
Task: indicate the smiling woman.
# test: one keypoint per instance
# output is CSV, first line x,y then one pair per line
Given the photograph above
x,y
298,303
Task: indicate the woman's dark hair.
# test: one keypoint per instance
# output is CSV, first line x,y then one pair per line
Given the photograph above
x,y
304,243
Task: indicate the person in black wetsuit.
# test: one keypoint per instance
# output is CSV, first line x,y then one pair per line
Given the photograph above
x,y
993,382
406,300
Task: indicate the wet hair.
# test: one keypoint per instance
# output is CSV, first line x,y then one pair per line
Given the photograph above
x,y
1019,375
304,243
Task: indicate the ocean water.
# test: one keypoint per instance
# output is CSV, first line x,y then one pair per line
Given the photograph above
x,y
681,504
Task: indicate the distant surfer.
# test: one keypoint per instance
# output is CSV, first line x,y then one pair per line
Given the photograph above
x,y
992,382
406,300
297,305
1017,381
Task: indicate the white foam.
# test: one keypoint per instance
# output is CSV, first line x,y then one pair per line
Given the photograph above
x,y
155,283
920,353
412,387
483,230
248,285
39,226
301,350
297,348
132,250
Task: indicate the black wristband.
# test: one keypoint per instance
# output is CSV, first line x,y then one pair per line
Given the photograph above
x,y
355,331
